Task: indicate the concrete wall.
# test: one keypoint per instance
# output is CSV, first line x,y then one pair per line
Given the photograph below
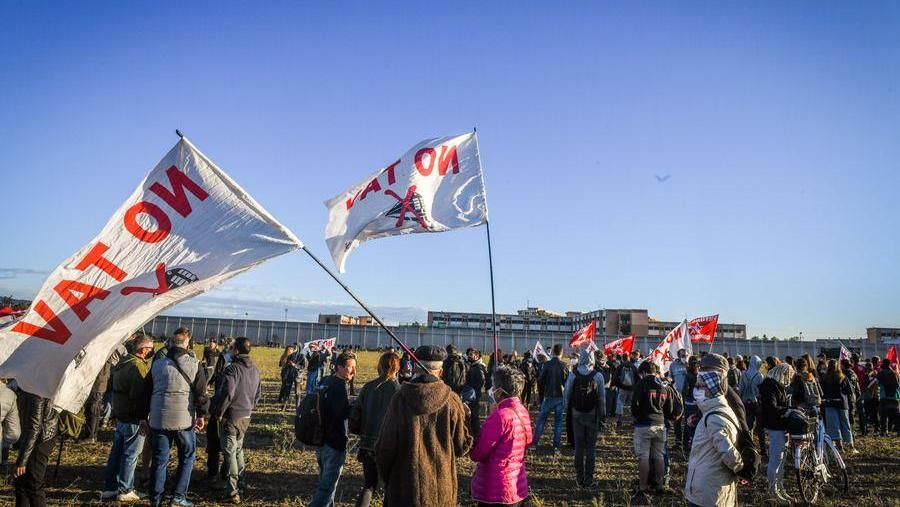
x,y
262,331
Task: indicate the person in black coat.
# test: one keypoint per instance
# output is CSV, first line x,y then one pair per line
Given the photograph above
x,y
774,404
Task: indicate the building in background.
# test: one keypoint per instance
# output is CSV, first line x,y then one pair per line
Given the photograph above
x,y
531,319
346,320
879,335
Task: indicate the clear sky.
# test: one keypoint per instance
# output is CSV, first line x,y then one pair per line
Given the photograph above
x,y
776,121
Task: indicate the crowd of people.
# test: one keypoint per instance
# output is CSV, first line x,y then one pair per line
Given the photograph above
x,y
425,411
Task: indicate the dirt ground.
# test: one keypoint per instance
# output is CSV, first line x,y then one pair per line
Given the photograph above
x,y
279,473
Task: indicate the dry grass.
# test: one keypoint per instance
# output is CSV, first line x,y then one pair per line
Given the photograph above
x,y
280,474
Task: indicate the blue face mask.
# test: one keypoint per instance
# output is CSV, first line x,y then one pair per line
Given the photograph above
x,y
491,397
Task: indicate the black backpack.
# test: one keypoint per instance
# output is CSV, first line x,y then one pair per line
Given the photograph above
x,y
746,447
309,424
454,374
584,392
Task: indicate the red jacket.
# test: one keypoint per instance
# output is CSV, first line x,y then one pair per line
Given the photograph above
x,y
500,453
861,377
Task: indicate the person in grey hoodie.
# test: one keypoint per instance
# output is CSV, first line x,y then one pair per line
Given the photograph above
x,y
585,393
235,399
748,388
9,420
178,405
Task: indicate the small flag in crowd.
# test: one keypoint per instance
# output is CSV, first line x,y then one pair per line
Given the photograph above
x,y
592,347
703,329
891,355
621,346
677,339
845,353
436,186
539,350
325,344
584,335
186,228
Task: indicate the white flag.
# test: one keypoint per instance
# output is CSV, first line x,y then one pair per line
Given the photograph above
x,y
845,353
667,350
538,350
436,186
185,229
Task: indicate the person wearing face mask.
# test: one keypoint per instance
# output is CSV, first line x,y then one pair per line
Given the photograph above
x,y
585,394
499,451
715,459
773,404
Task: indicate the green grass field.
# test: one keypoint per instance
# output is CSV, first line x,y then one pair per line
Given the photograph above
x,y
279,473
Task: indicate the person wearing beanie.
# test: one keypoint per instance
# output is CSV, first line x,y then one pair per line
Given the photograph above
x,y
423,433
715,459
585,394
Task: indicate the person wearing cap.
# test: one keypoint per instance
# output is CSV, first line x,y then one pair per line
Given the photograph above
x,y
423,433
714,461
719,364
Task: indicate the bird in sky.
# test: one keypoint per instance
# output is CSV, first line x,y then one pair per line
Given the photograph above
x,y
663,179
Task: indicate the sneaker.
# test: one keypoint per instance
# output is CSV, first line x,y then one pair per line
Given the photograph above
x,y
181,502
233,499
109,495
131,496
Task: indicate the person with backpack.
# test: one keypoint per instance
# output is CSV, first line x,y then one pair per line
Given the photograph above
x,y
553,381
806,394
315,362
529,372
837,390
335,410
130,405
625,378
773,405
454,369
652,404
233,403
178,406
748,388
585,394
365,420
715,459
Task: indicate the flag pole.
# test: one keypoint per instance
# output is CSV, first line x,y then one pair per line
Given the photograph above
x,y
364,307
487,227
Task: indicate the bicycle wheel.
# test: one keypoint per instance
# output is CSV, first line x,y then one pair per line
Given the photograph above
x,y
839,480
808,481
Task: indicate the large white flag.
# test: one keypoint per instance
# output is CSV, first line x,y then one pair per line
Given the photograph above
x,y
185,229
436,186
667,350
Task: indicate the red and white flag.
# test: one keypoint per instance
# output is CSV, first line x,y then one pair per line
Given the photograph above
x,y
8,316
621,346
584,335
436,186
891,355
703,329
186,228
592,347
324,344
667,350
539,350
845,353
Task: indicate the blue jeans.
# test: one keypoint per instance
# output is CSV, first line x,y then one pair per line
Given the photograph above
x,y
160,442
557,405
126,447
775,468
331,462
312,378
838,425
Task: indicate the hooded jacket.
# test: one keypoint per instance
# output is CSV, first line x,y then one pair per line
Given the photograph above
x,y
652,403
131,388
586,367
423,433
750,381
711,479
239,390
773,403
500,476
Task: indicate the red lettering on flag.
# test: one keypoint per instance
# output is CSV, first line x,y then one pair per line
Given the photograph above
x,y
431,156
392,178
448,157
177,199
373,186
163,224
95,258
55,330
67,289
161,287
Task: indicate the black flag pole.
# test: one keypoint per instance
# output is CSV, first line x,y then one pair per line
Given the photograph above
x,y
487,227
365,307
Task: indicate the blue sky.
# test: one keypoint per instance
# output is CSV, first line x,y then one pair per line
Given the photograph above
x,y
777,122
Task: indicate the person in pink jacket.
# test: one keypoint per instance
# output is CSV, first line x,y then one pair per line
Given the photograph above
x,y
499,452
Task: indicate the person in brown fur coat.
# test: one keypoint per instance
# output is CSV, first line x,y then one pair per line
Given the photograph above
x,y
422,435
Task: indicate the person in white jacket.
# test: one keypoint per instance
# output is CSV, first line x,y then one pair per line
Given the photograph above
x,y
715,460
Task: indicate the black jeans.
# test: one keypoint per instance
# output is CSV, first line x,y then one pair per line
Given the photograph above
x,y
215,465
370,477
30,487
475,419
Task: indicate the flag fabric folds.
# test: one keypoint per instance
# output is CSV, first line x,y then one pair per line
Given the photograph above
x,y
667,350
539,350
324,344
621,346
584,335
703,329
891,355
845,353
185,229
436,186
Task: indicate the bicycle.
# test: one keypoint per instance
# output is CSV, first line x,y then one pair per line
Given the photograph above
x,y
818,463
